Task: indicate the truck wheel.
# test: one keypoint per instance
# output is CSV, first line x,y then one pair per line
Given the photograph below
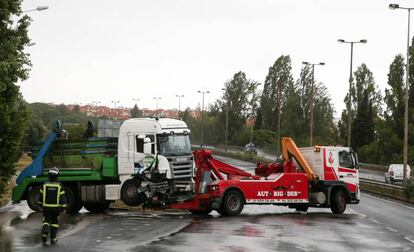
x,y
33,198
233,203
73,202
97,207
302,207
201,212
338,202
129,193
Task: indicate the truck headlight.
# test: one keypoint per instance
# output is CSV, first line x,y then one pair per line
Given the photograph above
x,y
214,188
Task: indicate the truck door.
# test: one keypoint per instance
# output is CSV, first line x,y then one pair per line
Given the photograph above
x,y
139,154
347,170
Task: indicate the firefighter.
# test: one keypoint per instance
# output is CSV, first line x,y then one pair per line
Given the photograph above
x,y
53,202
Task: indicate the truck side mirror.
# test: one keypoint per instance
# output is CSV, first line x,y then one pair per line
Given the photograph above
x,y
147,145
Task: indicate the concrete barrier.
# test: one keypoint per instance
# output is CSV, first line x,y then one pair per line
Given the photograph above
x,y
388,190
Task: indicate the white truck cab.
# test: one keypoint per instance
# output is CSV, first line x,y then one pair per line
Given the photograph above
x,y
146,144
334,163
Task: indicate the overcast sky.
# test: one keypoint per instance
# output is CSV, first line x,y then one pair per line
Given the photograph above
x,y
100,50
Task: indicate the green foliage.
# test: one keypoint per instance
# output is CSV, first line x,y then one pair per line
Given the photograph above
x,y
366,109
49,113
394,95
408,188
274,96
76,132
14,66
363,125
35,132
136,112
240,99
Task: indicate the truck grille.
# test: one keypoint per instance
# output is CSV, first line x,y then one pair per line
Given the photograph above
x,y
181,168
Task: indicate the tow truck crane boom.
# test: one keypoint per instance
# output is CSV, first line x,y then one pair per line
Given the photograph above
x,y
290,150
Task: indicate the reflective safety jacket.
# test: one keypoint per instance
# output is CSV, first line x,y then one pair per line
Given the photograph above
x,y
53,195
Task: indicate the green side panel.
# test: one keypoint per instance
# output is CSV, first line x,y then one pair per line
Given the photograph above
x,y
110,168
93,161
64,176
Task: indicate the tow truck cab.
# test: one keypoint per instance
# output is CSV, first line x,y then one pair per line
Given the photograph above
x,y
335,163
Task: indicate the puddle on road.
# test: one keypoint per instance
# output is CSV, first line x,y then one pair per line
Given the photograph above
x,y
20,227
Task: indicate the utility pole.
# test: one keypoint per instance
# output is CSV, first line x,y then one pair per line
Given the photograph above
x,y
227,120
363,41
202,116
156,105
407,83
311,98
179,104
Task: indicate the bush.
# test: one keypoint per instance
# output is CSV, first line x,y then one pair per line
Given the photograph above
x,y
408,188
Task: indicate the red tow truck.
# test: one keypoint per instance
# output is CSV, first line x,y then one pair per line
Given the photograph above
x,y
321,176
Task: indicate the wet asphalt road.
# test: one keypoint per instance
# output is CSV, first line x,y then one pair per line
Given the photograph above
x,y
373,225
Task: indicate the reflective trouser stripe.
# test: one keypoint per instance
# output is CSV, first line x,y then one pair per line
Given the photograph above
x,y
55,225
45,223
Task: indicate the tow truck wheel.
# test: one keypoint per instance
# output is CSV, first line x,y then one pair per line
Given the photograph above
x,y
233,203
73,202
97,207
338,202
201,212
129,193
33,198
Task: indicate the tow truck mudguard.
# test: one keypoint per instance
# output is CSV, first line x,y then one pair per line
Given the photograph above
x,y
328,185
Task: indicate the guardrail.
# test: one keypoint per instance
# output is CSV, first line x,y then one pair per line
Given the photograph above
x,y
382,188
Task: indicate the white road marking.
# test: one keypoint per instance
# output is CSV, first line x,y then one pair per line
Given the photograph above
x,y
408,239
392,229
388,201
375,221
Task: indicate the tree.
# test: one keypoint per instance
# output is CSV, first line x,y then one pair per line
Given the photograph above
x,y
363,125
76,108
135,112
35,132
240,98
274,96
364,82
14,66
296,120
394,96
364,86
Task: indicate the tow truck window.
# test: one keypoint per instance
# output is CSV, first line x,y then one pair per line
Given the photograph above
x,y
346,160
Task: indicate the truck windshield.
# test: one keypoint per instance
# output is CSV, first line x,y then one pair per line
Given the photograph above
x,y
173,145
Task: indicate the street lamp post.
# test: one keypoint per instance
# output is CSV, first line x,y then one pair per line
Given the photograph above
x,y
312,96
136,101
363,41
227,120
156,105
405,146
38,8
115,102
179,103
202,116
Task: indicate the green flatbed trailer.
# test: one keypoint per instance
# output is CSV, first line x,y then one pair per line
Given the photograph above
x,y
85,168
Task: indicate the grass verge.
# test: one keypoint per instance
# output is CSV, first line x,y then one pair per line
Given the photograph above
x,y
23,162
